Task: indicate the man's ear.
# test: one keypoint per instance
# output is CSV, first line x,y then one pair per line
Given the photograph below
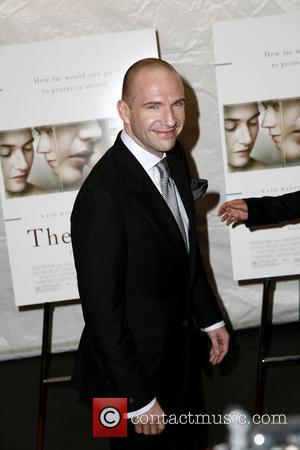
x,y
123,111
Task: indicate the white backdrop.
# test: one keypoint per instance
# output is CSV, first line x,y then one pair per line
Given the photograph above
x,y
185,38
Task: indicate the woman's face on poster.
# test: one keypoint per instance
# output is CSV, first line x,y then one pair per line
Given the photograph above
x,y
241,128
16,153
68,148
282,119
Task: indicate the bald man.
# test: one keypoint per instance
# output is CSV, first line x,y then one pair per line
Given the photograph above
x,y
140,276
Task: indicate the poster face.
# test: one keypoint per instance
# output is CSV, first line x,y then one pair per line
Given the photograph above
x,y
258,72
59,119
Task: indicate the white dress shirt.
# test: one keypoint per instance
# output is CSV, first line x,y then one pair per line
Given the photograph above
x,y
149,163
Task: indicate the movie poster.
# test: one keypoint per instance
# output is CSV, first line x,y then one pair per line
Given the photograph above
x,y
258,70
58,118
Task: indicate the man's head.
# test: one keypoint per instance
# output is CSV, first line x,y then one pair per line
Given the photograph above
x,y
272,120
152,105
282,119
68,148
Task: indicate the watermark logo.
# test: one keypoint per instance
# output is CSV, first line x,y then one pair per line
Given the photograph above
x,y
109,417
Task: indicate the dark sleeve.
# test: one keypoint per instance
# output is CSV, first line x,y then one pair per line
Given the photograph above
x,y
204,302
100,254
266,210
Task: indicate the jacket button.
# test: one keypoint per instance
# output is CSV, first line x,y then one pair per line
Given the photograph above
x,y
185,323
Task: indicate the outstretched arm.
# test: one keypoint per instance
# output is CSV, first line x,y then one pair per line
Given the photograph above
x,y
233,211
263,210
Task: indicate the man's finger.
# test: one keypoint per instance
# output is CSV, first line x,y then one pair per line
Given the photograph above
x,y
154,429
146,429
161,427
214,351
138,428
213,357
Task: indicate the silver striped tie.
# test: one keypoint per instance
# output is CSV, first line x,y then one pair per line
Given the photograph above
x,y
168,191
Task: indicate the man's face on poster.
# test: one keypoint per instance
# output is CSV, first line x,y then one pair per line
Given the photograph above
x,y
16,153
291,129
282,119
68,148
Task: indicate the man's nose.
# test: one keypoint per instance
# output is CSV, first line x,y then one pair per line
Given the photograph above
x,y
90,131
244,135
44,144
269,120
169,118
20,161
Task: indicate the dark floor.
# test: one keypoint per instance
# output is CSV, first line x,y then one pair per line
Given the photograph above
x,y
69,425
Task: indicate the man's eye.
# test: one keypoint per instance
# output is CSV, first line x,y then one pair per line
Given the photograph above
x,y
180,103
253,122
153,106
28,148
41,131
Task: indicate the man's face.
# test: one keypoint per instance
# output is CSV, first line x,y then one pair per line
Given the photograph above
x,y
154,115
291,129
282,119
99,145
68,148
241,128
16,153
272,121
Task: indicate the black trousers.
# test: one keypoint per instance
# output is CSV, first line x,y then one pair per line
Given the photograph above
x,y
168,440
179,436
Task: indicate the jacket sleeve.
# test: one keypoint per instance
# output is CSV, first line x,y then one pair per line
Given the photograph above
x,y
205,307
266,210
100,254
204,302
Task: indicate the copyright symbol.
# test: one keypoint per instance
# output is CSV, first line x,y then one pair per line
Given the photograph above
x,y
109,417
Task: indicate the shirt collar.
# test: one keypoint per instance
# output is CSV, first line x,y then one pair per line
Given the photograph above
x,y
145,158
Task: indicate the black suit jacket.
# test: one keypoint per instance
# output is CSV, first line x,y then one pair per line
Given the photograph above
x,y
138,285
266,210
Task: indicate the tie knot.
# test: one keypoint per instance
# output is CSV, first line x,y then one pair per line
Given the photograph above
x,y
163,168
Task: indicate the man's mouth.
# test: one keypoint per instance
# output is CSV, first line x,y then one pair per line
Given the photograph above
x,y
52,162
82,157
276,137
243,151
166,133
20,178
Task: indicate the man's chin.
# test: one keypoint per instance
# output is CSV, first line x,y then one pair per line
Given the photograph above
x,y
165,145
17,190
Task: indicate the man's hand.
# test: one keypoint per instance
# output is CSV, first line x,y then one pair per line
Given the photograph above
x,y
219,344
233,211
151,421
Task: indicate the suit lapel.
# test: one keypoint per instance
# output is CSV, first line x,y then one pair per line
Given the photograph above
x,y
184,189
149,201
